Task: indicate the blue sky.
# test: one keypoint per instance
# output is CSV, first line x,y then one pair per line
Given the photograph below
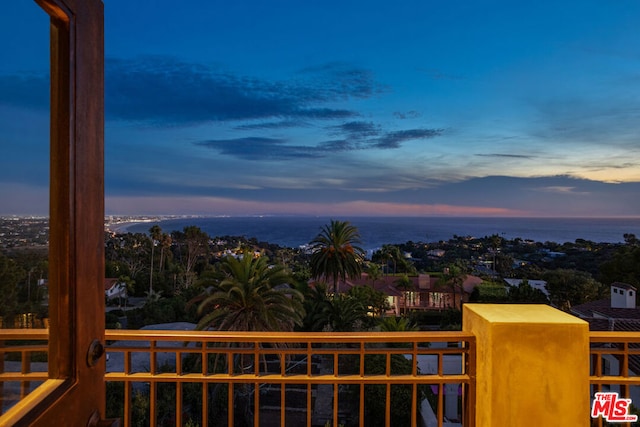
x,y
493,108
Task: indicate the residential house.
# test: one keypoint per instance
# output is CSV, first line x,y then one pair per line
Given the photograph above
x,y
426,292
114,288
616,313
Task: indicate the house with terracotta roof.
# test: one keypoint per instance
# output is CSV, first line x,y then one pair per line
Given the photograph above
x,y
114,288
616,313
425,293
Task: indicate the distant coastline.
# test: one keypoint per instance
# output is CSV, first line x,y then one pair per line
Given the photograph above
x,y
121,224
294,231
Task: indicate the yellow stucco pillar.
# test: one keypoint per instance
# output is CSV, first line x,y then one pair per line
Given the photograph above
x,y
532,365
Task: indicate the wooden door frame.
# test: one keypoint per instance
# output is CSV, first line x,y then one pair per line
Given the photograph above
x,y
75,391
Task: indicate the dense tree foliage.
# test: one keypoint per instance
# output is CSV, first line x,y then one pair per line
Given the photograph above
x,y
356,310
624,266
525,293
192,245
572,287
392,260
375,301
489,292
182,264
11,275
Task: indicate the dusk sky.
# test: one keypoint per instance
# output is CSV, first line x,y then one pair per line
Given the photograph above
x,y
483,108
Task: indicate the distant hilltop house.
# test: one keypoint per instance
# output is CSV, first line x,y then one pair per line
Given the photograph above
x,y
436,253
541,285
424,293
616,313
114,288
551,255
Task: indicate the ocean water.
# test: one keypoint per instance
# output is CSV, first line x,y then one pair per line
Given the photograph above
x,y
376,231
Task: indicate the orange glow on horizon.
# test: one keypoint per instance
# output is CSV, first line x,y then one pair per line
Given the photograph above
x,y
222,206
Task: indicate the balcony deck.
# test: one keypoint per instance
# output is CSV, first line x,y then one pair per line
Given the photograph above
x,y
279,378
285,379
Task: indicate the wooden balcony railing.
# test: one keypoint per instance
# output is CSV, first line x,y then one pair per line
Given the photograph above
x,y
615,367
23,355
223,378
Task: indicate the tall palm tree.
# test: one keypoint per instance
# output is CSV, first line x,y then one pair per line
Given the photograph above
x,y
155,233
335,254
165,243
405,285
374,273
253,296
454,277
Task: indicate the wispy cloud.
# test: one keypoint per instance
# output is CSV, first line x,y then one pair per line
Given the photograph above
x,y
406,115
271,125
505,155
600,166
560,190
339,81
257,148
263,148
163,90
356,129
396,138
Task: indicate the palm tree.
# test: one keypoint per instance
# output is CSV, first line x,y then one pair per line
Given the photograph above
x,y
335,255
384,255
454,277
253,296
374,273
405,285
165,243
344,313
155,233
316,306
398,324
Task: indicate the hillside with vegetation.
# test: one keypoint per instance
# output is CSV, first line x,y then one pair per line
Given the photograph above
x,y
181,275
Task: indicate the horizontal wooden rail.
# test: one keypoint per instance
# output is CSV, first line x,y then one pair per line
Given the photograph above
x,y
18,379
615,366
265,372
288,377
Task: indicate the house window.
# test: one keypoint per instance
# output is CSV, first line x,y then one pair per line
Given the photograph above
x,y
437,299
412,298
